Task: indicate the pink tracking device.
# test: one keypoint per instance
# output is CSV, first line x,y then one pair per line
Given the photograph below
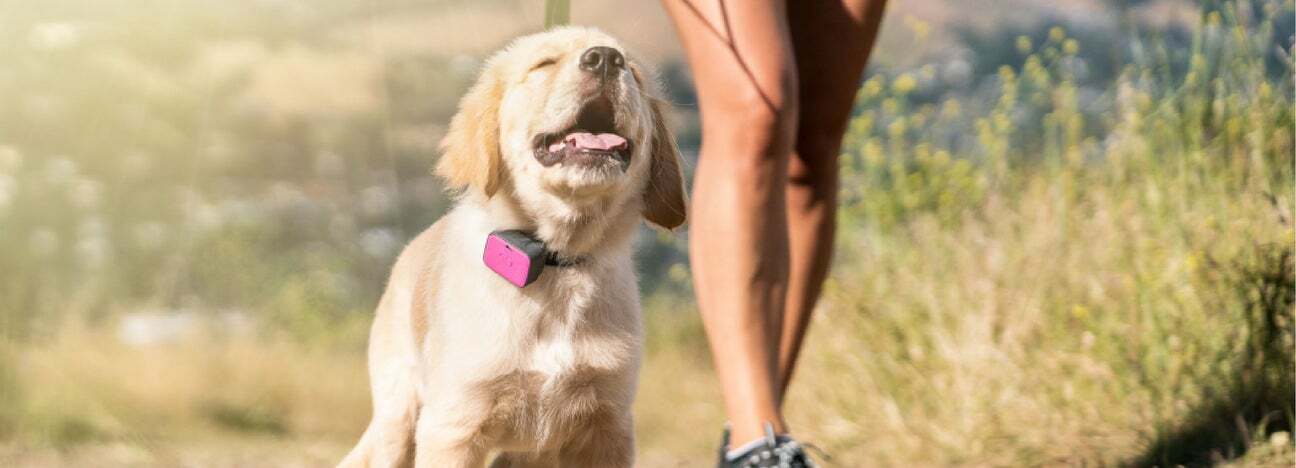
x,y
516,256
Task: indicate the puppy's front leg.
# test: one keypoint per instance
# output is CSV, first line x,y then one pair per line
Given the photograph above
x,y
606,442
443,444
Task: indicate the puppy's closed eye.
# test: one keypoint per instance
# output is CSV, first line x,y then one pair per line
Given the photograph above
x,y
544,63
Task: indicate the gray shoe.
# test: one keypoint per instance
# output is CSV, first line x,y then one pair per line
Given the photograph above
x,y
776,451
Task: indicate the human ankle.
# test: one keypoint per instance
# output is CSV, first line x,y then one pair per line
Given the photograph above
x,y
739,446
742,435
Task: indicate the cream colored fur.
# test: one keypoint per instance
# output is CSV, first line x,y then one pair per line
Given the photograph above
x,y
463,364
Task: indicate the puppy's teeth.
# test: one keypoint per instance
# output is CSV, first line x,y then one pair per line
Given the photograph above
x,y
556,147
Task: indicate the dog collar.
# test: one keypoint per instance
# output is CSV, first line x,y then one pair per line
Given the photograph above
x,y
519,257
558,260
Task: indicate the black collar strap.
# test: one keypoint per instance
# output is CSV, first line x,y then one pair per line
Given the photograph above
x,y
552,258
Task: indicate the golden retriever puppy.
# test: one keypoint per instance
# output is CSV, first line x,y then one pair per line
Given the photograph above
x,y
562,139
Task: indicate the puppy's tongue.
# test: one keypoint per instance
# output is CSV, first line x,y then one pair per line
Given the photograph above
x,y
591,141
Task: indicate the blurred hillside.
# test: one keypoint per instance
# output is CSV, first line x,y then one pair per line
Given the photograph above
x,y
1066,230
151,149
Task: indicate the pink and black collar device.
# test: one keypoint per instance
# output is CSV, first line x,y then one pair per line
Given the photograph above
x,y
520,258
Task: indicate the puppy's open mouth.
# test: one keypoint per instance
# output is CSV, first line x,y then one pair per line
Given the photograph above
x,y
591,141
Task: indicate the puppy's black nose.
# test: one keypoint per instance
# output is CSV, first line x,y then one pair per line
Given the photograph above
x,y
601,60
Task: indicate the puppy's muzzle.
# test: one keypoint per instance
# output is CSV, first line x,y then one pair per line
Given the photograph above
x,y
593,140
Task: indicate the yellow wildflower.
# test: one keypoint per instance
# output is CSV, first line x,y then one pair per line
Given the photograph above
x,y
951,108
890,106
1071,47
1024,44
1057,34
873,86
897,128
904,84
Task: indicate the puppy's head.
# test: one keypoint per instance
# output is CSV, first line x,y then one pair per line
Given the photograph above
x,y
566,116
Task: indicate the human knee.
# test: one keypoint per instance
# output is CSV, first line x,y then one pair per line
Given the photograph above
x,y
754,153
815,162
756,128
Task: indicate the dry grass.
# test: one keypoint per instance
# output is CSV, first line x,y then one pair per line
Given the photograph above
x,y
88,396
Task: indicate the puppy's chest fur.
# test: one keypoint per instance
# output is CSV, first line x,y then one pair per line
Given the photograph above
x,y
543,404
543,360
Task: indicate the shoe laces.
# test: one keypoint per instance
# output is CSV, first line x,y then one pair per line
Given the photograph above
x,y
785,453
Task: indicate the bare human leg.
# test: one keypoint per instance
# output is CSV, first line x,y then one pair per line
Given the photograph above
x,y
832,40
741,57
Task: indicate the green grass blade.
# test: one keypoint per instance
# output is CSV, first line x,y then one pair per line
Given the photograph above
x,y
557,13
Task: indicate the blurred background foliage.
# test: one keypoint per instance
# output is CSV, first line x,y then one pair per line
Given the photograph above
x,y
1065,230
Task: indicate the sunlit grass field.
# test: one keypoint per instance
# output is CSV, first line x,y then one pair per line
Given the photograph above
x,y
1055,276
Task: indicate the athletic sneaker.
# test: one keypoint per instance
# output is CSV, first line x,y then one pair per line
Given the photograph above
x,y
772,451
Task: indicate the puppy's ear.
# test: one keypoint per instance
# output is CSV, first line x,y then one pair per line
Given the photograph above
x,y
664,199
470,151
